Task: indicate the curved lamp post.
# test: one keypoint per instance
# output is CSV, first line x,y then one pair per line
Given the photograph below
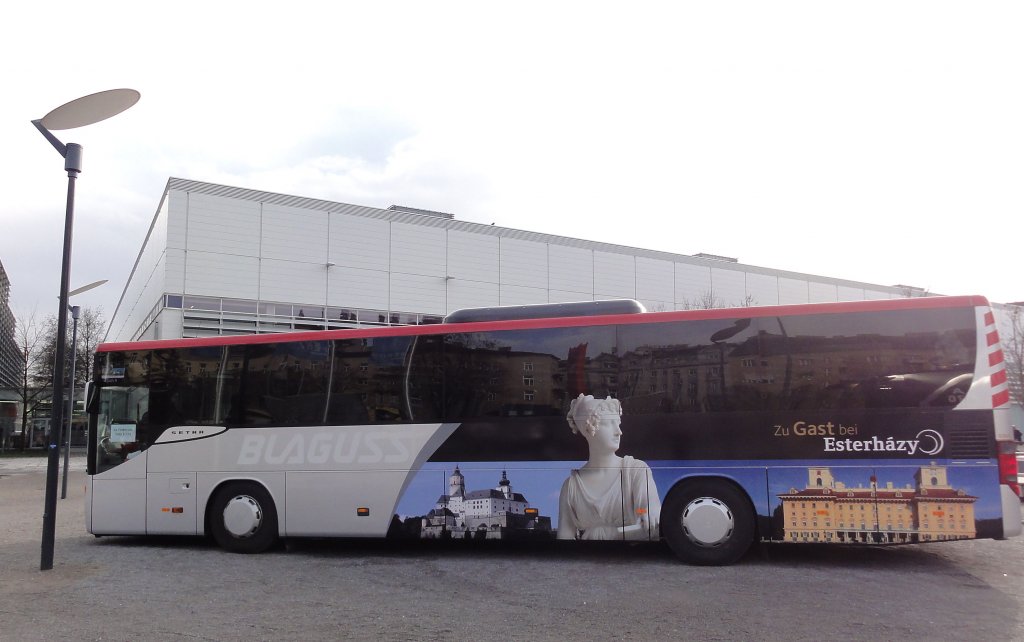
x,y
77,113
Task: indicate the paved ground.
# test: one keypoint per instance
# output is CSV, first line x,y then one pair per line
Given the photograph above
x,y
122,588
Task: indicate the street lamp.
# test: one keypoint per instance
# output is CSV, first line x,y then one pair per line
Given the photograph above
x,y
77,113
71,395
71,400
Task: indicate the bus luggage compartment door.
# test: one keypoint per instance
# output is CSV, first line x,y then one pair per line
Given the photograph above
x,y
342,503
830,505
171,504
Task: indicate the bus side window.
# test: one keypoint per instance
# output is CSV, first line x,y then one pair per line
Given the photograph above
x,y
699,366
366,381
346,409
423,387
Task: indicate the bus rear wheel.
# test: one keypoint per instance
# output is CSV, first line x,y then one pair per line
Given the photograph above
x,y
243,518
708,522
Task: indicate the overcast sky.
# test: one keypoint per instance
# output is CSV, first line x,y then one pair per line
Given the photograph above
x,y
873,141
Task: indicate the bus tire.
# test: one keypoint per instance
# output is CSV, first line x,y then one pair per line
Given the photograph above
x,y
708,522
243,518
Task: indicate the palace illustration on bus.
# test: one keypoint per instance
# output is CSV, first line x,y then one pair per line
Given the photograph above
x,y
873,422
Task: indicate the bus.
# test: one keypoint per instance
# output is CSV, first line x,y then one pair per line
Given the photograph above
x,y
863,423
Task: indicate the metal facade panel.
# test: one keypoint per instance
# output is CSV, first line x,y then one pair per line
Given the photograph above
x,y
876,295
367,213
158,232
223,225
728,287
568,296
571,269
792,291
655,280
417,293
256,196
357,242
143,291
151,333
350,287
174,271
294,234
418,250
222,275
521,295
471,294
614,276
692,282
473,256
174,212
823,292
763,289
152,270
293,281
848,293
169,324
523,263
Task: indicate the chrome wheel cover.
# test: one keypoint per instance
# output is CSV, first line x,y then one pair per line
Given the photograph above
x,y
707,522
242,516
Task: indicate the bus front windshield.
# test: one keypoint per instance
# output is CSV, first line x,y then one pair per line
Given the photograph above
x,y
121,424
131,405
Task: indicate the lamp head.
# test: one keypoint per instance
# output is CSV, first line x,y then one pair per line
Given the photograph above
x,y
90,109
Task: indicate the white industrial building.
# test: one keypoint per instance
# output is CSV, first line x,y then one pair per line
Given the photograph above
x,y
225,260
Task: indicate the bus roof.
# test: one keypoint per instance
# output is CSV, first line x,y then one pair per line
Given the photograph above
x,y
918,303
547,311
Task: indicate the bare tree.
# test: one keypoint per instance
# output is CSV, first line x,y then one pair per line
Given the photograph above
x,y
91,326
37,342
1013,347
47,351
89,333
708,300
30,337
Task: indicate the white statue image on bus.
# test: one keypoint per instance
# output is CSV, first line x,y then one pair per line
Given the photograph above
x,y
610,497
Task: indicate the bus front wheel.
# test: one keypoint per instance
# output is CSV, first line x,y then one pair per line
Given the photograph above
x,y
708,522
243,518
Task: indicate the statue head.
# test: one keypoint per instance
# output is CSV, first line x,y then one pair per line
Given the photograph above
x,y
585,413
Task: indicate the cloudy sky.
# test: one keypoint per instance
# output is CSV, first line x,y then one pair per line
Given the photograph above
x,y
873,141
